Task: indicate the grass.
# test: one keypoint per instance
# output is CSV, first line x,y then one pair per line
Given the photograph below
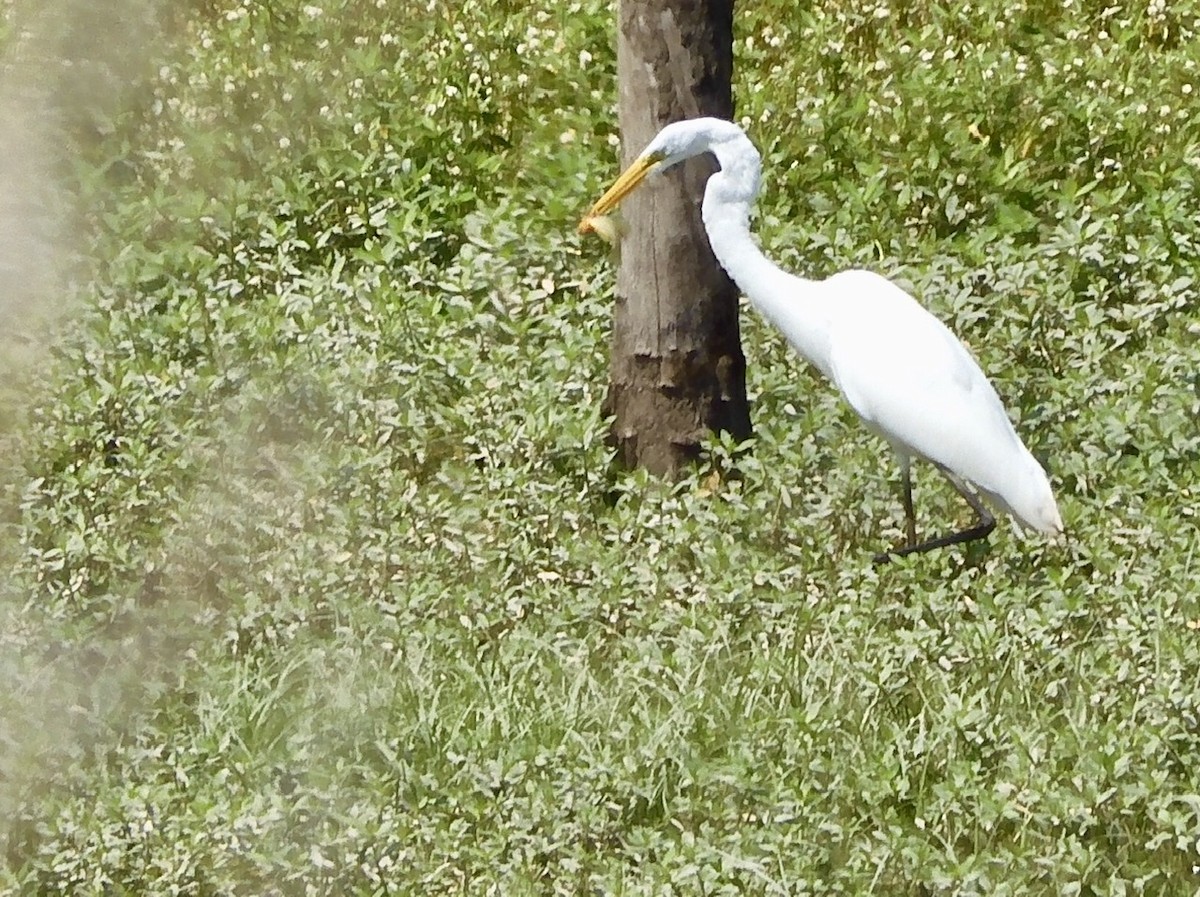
x,y
322,578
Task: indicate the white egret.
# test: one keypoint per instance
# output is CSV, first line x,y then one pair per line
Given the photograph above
x,y
901,370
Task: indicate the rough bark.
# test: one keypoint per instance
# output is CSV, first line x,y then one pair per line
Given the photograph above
x,y
678,371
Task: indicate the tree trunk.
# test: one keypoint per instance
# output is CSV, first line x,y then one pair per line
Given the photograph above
x,y
678,370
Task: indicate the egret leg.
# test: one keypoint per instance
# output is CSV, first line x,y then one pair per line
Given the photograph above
x,y
910,517
982,528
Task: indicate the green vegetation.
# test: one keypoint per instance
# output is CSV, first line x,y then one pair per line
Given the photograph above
x,y
323,580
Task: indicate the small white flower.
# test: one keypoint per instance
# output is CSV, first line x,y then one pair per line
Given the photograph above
x,y
313,12
284,143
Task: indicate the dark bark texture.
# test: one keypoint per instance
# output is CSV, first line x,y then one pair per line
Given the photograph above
x,y
678,370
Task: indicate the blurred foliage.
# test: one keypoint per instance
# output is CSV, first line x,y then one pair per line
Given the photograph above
x,y
324,580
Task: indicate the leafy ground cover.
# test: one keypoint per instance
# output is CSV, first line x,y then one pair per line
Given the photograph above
x,y
322,579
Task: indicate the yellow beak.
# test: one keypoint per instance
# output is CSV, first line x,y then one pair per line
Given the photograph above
x,y
624,185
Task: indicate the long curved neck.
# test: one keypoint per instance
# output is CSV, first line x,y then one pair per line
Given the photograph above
x,y
791,303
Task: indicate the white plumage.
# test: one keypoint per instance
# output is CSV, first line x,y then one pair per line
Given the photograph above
x,y
900,368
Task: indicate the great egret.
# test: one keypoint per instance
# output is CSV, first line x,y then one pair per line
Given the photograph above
x,y
904,373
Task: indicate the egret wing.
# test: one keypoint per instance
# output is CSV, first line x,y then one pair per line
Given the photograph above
x,y
913,382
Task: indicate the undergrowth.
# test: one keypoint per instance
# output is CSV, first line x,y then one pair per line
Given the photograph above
x,y
322,578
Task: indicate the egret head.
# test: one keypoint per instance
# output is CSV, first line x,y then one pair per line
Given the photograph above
x,y
673,144
683,139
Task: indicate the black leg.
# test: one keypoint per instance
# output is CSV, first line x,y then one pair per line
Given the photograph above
x,y
910,518
982,528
